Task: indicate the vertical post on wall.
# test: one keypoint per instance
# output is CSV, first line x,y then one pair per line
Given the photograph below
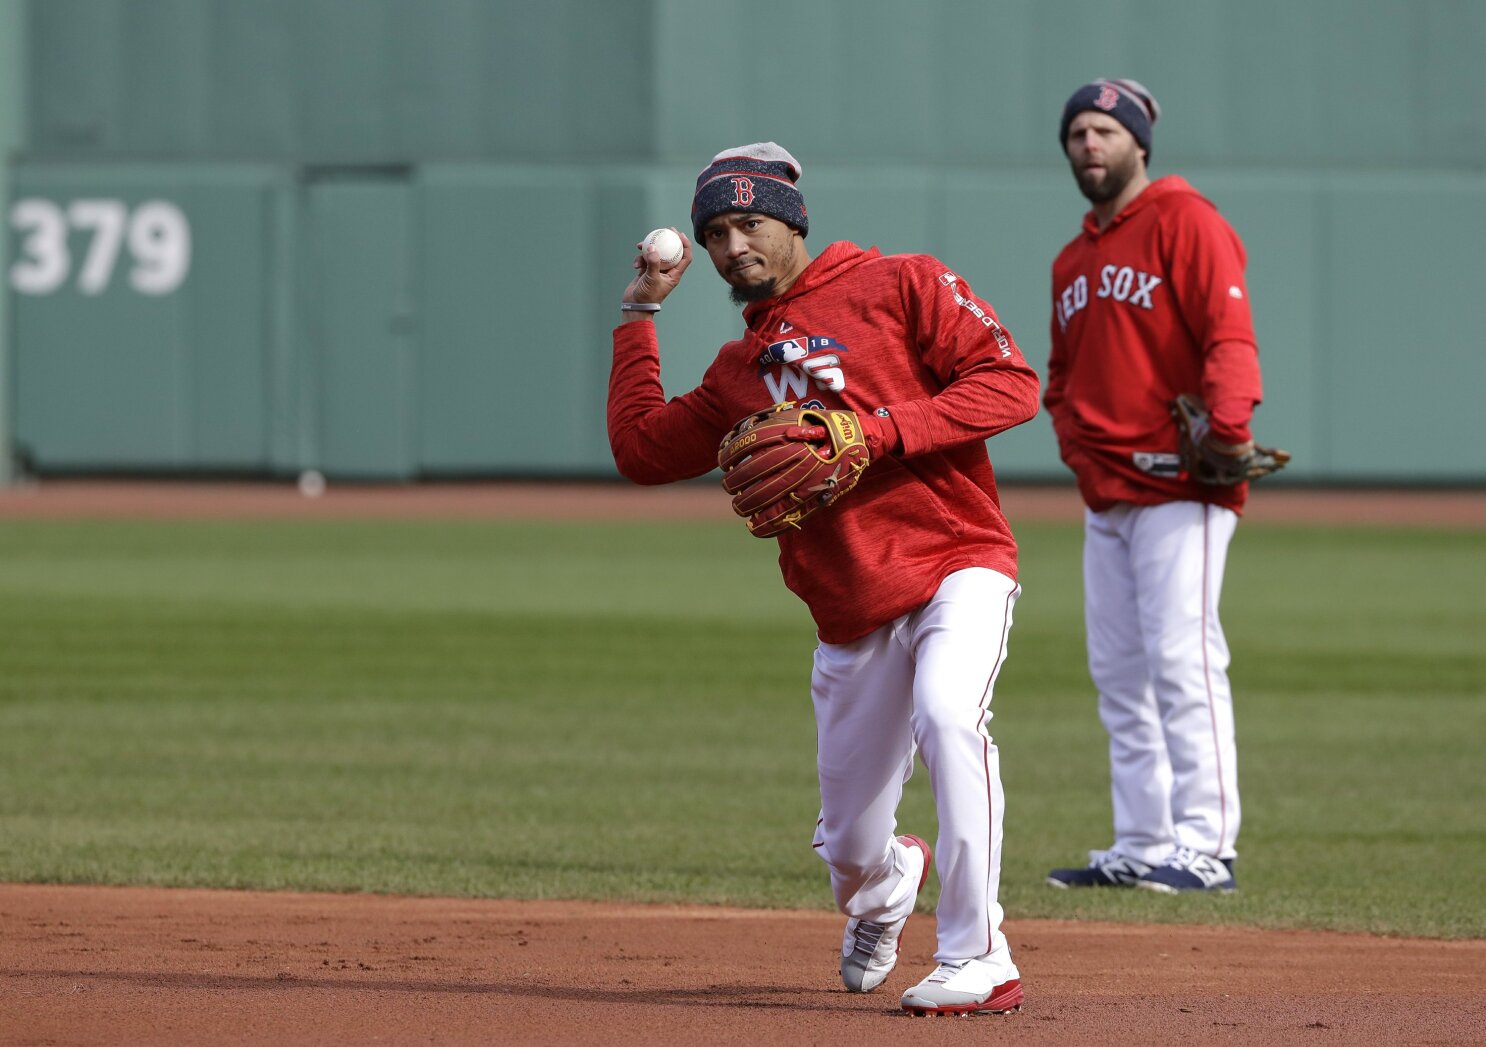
x,y
12,136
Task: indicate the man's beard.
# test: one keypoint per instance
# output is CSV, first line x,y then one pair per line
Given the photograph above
x,y
741,296
1112,185
777,260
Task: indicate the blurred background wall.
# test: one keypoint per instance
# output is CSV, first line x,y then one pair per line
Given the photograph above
x,y
386,239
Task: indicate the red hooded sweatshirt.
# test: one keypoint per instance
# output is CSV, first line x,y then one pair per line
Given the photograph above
x,y
1151,307
902,332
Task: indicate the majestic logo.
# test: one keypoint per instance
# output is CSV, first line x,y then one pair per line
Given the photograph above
x,y
1108,98
805,359
742,191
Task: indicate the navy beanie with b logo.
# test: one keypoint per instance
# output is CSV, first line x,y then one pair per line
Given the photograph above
x,y
758,178
1127,101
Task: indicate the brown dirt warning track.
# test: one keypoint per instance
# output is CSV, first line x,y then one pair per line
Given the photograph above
x,y
125,965
60,499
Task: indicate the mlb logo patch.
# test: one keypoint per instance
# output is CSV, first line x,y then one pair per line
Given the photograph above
x,y
1108,98
785,352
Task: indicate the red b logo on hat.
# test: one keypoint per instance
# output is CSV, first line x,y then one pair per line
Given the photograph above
x,y
742,191
1108,98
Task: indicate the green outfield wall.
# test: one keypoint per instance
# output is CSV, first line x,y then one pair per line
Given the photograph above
x,y
12,134
386,238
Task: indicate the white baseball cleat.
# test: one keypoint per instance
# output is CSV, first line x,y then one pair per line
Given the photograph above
x,y
869,951
964,987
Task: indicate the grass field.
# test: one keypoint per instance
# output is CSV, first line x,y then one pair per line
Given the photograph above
x,y
620,712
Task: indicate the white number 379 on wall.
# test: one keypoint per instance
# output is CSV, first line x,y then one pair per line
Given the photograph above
x,y
156,233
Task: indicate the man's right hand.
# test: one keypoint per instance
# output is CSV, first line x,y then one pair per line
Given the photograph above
x,y
653,283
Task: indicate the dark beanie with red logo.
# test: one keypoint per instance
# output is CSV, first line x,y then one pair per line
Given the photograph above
x,y
1127,101
758,178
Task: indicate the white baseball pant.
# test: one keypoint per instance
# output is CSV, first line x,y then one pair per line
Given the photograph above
x,y
1158,658
922,683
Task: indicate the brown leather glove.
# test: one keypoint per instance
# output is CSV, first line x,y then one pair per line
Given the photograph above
x,y
787,462
1210,462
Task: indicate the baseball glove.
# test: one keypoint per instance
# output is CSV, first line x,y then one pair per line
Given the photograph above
x,y
1210,462
782,464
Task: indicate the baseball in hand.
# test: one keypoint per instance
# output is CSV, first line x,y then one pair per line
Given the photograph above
x,y
667,244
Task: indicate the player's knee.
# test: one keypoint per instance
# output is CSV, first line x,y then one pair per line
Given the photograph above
x,y
856,866
937,721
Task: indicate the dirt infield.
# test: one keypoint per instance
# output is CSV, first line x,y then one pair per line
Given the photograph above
x,y
141,965
85,965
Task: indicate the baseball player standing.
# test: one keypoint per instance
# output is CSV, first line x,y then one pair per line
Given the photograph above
x,y
910,579
1149,302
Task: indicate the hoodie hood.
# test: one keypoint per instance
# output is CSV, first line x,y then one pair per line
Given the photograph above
x,y
1168,185
835,261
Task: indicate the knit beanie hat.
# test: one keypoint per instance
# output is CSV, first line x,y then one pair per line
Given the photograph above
x,y
1127,101
758,178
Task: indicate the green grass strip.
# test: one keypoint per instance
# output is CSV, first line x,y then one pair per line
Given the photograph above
x,y
622,712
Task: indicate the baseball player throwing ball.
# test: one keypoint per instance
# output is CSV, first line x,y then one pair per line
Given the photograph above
x,y
850,420
1152,381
